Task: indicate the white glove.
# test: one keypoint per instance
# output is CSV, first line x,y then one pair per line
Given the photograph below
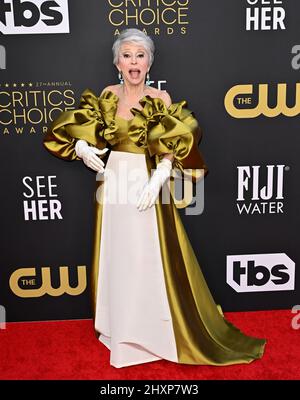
x,y
152,188
89,155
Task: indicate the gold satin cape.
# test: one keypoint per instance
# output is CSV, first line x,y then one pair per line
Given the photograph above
x,y
202,334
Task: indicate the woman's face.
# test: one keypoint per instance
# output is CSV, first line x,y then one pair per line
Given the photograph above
x,y
133,62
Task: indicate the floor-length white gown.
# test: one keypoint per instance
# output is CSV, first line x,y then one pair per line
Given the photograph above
x,y
132,311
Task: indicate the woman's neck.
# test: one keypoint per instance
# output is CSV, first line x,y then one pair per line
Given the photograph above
x,y
134,92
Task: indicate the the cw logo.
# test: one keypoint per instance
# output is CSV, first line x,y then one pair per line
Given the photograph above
x,y
239,92
27,277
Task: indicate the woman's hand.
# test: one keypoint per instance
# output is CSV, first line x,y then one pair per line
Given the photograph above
x,y
151,190
89,155
169,156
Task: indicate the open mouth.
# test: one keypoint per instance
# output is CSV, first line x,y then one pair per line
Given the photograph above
x,y
134,73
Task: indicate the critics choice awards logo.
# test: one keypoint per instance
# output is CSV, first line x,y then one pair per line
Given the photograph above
x,y
154,17
28,108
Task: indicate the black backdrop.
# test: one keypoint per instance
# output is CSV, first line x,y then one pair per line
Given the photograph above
x,y
201,55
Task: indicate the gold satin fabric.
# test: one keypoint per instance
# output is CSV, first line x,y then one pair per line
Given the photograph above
x,y
124,142
202,334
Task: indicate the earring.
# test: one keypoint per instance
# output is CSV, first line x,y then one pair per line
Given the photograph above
x,y
120,78
148,83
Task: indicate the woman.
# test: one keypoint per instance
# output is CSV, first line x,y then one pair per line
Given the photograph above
x,y
150,298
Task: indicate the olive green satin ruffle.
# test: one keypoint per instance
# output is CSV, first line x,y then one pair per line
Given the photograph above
x,y
93,122
172,129
203,335
155,128
158,128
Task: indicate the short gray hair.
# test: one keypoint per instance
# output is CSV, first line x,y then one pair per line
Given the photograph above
x,y
136,36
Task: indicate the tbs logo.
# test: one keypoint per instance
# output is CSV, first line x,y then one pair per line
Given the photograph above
x,y
260,272
39,16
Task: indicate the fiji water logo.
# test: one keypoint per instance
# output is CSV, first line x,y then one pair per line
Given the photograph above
x,y
260,189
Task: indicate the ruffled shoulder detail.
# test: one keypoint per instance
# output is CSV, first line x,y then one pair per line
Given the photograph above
x,y
93,121
108,104
153,108
103,109
172,129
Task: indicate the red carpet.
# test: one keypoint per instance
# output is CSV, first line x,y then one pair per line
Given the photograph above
x,y
70,350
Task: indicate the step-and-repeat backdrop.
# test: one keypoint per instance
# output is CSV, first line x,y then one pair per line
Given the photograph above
x,y
236,62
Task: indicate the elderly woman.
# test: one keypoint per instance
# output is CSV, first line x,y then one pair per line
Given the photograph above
x,y
150,299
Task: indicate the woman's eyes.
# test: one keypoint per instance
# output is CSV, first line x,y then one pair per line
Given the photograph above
x,y
141,55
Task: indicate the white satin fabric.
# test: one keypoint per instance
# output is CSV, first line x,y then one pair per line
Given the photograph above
x,y
132,311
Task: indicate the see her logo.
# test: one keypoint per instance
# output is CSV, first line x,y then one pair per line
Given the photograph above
x,y
28,17
40,202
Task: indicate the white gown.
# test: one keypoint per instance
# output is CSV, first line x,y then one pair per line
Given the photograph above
x,y
132,310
